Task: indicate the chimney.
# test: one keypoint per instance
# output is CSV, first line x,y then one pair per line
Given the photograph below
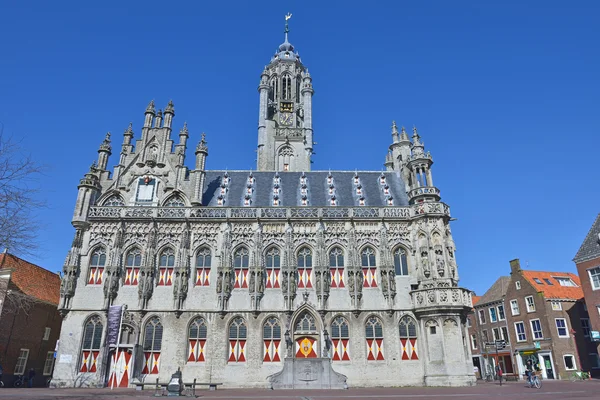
x,y
515,266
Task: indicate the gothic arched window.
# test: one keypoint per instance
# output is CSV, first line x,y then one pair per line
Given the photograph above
x,y
305,270
166,265
197,334
374,335
237,340
274,89
298,80
306,323
340,336
97,262
203,264
90,346
271,340
369,267
286,88
114,201
241,259
272,264
408,338
133,261
285,158
336,267
400,262
175,201
152,345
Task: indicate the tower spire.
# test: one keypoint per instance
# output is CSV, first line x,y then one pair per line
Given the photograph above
x,y
287,28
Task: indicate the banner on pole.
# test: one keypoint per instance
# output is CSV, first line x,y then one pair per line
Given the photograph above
x,y
114,325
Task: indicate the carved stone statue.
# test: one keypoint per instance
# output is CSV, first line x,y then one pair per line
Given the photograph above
x,y
227,278
326,281
439,262
318,275
351,282
284,282
220,283
261,281
392,276
292,285
425,264
252,282
384,282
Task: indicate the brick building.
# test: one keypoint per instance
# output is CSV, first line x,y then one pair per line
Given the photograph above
x,y
29,320
472,330
587,260
548,322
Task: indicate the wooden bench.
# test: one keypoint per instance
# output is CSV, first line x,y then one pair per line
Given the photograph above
x,y
162,386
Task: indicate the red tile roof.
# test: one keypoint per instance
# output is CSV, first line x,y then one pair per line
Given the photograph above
x,y
476,299
31,279
555,291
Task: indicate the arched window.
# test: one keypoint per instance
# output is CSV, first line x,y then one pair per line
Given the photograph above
x,y
305,271
114,201
369,267
272,264
340,337
287,87
203,264
271,340
274,89
298,80
305,331
408,338
241,259
166,265
306,323
197,334
374,335
400,262
237,340
285,158
175,201
90,347
152,345
336,267
97,262
133,261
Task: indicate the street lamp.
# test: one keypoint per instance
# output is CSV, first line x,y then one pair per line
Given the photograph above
x,y
327,341
288,339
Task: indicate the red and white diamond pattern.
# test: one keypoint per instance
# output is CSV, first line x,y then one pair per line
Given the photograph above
x,y
202,277
340,350
337,277
152,362
310,352
132,276
196,350
273,276
237,350
96,275
241,278
166,277
305,278
409,349
370,277
375,350
272,350
88,361
121,370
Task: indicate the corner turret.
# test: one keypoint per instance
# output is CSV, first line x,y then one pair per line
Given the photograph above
x,y
150,113
104,152
200,171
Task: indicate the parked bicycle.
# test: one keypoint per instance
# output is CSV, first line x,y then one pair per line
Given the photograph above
x,y
19,381
579,376
534,381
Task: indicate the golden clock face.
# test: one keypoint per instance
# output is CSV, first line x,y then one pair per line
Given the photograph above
x,y
286,107
285,118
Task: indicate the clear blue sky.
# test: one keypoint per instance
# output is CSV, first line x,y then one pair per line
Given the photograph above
x,y
506,96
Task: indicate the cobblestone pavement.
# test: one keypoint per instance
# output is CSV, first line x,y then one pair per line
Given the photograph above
x,y
508,391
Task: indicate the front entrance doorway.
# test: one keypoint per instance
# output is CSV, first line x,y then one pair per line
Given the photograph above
x,y
122,359
306,336
548,366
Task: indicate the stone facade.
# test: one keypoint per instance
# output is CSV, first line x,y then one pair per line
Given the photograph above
x,y
230,275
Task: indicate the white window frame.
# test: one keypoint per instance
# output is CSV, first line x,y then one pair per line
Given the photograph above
x,y
512,309
518,285
47,331
506,337
49,363
533,335
596,358
530,307
522,324
20,368
566,327
588,327
565,362
594,287
565,281
556,305
482,314
496,334
469,323
474,342
501,306
493,315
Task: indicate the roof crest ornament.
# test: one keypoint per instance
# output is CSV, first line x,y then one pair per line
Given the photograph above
x,y
287,28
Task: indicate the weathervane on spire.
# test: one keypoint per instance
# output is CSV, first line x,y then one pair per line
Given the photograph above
x,y
288,16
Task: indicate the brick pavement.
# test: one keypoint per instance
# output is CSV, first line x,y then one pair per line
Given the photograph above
x,y
513,390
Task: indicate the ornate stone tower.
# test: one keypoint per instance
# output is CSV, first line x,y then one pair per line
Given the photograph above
x,y
285,135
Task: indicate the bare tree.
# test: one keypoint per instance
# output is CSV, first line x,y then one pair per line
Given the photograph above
x,y
19,197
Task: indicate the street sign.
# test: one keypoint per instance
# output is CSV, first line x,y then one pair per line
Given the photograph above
x,y
595,336
500,344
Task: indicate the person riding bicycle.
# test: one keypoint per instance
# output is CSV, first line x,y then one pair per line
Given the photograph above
x,y
529,369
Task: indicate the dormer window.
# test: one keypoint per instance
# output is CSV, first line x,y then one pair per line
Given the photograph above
x,y
386,190
390,201
330,179
361,201
286,167
275,202
145,190
220,200
359,189
356,180
382,179
247,201
331,188
223,190
333,202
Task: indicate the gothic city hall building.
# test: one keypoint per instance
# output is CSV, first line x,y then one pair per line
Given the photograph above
x,y
277,277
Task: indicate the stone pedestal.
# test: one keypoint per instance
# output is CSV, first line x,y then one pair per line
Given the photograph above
x,y
307,373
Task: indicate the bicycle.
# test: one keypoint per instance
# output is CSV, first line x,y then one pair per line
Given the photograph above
x,y
579,376
489,377
534,381
19,381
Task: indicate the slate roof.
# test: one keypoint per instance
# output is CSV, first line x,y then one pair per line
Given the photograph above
x,y
496,292
590,248
555,291
32,279
317,185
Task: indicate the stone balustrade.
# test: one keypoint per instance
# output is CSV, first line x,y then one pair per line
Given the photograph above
x,y
226,213
440,297
423,191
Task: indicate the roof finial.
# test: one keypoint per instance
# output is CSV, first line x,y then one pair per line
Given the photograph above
x,y
287,28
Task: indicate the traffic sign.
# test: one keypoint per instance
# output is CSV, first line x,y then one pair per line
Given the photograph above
x,y
500,344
